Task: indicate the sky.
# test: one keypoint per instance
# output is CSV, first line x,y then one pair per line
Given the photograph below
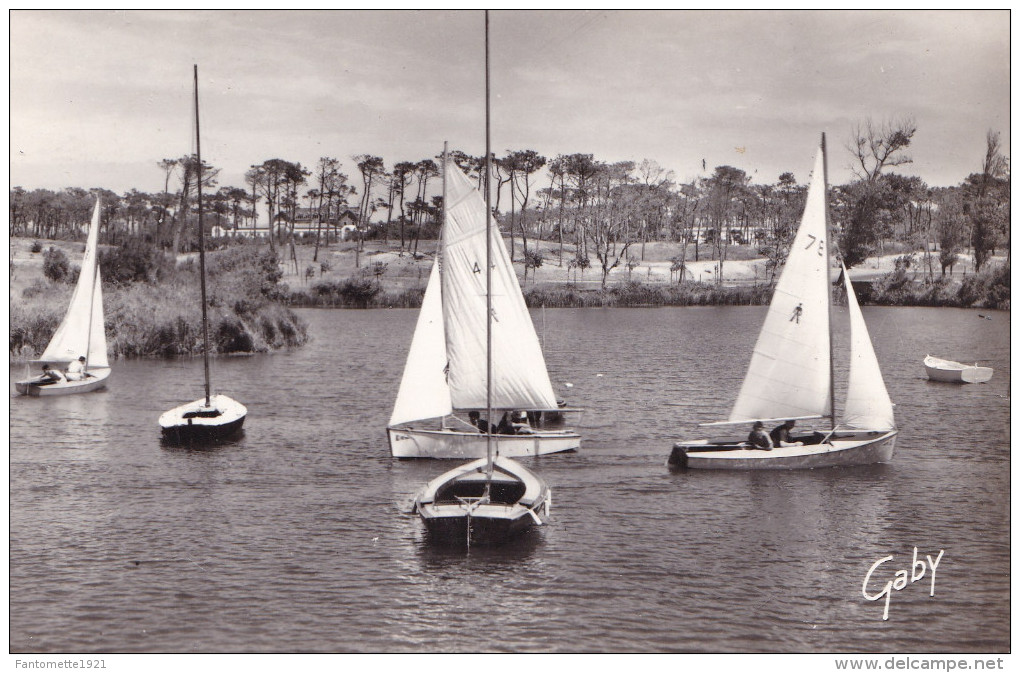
x,y
98,98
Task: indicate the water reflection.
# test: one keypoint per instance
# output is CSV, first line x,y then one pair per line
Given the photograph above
x,y
434,555
172,446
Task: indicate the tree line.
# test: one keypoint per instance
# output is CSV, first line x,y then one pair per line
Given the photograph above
x,y
607,212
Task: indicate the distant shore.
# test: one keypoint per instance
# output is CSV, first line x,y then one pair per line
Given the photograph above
x,y
251,313
383,277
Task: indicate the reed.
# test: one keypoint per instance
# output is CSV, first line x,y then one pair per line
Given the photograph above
x,y
148,320
988,289
635,294
354,292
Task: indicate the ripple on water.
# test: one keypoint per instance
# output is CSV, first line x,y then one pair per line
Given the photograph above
x,y
297,536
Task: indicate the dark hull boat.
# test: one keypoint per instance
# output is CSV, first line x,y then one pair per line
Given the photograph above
x,y
214,417
469,505
197,422
491,500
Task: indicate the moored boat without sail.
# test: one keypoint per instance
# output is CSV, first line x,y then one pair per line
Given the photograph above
x,y
444,378
791,373
81,336
475,506
213,417
955,372
490,500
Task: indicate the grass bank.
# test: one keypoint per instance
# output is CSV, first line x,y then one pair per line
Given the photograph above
x,y
161,316
988,289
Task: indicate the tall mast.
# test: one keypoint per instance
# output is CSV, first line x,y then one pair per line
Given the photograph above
x,y
828,289
488,260
201,246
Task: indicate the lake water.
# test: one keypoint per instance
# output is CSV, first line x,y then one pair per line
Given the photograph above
x,y
298,536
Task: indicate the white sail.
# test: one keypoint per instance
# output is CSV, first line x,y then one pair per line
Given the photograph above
x,y
519,376
868,406
97,342
789,375
424,391
83,321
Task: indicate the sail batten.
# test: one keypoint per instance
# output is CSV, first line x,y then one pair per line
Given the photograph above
x,y
868,405
81,331
789,373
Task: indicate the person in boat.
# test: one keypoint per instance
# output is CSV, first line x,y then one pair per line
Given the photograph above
x,y
51,375
505,426
781,435
758,438
76,370
520,423
476,420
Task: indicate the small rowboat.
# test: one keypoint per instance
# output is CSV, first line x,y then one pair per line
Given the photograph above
x,y
955,372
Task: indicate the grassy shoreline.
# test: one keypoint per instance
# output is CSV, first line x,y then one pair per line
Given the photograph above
x,y
251,294
988,290
162,318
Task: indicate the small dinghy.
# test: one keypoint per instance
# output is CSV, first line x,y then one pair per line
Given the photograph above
x,y
214,417
955,372
204,420
790,376
492,499
449,352
80,339
483,502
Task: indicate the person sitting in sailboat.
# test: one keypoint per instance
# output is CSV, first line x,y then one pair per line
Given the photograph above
x,y
476,420
758,438
520,423
505,426
781,435
51,375
76,370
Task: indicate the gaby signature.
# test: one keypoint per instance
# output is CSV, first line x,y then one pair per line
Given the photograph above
x,y
917,571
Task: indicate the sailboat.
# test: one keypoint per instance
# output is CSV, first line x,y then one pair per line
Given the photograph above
x,y
489,500
213,417
447,359
81,333
791,373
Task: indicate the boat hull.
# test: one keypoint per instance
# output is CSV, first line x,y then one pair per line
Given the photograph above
x,y
35,388
955,372
453,444
186,424
862,448
486,526
454,512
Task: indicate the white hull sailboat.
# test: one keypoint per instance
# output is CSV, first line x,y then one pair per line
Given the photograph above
x,y
791,373
487,331
955,372
214,417
81,333
444,378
